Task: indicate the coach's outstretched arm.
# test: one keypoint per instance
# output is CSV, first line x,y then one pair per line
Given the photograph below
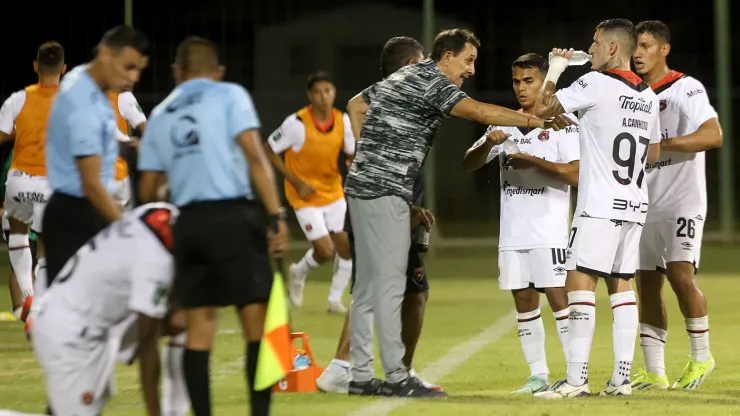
x,y
494,115
263,179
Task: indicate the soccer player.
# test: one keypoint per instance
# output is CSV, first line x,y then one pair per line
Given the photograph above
x,y
619,131
671,240
82,147
535,204
203,138
128,113
401,120
27,188
397,53
78,322
311,140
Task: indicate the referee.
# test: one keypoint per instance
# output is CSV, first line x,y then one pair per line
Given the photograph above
x,y
81,146
401,121
203,138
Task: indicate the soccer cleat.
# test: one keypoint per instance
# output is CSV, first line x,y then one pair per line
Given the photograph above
x,y
336,308
624,389
411,388
26,308
694,374
534,385
563,390
430,386
373,387
333,381
648,381
295,286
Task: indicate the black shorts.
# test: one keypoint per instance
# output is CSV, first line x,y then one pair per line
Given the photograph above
x,y
68,223
221,256
416,273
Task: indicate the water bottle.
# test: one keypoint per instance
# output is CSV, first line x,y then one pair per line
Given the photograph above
x,y
509,147
301,361
420,239
579,58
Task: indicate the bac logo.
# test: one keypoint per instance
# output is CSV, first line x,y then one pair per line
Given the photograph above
x,y
524,140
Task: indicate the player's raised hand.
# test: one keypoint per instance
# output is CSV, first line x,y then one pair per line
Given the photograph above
x,y
564,53
496,137
559,122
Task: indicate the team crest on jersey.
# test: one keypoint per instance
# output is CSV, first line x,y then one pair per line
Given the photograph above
x,y
544,136
663,105
419,274
309,227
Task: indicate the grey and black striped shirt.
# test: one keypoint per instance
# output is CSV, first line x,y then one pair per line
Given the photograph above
x,y
404,115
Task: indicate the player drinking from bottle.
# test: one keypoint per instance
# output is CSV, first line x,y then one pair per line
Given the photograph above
x,y
619,132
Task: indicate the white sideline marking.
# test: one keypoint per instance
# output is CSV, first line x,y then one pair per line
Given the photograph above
x,y
450,362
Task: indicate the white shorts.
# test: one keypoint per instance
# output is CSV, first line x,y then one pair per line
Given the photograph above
x,y
604,248
122,192
671,240
79,370
538,267
26,197
317,222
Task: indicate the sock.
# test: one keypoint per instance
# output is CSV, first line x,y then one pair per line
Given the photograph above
x,y
339,281
175,399
532,339
652,341
624,331
338,366
306,264
259,401
19,251
197,378
581,326
40,286
698,329
561,322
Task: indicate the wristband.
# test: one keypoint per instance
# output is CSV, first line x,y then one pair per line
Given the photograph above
x,y
274,219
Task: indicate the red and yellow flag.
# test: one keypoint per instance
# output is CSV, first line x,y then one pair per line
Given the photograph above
x,y
274,359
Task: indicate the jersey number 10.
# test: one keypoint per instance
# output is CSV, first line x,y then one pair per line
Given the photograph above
x,y
630,161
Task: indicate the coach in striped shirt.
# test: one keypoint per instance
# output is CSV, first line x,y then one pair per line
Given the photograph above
x,y
401,120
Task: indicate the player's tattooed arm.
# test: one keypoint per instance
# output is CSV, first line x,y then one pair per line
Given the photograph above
x,y
563,172
707,137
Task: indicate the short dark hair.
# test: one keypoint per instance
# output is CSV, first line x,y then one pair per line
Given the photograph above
x,y
624,29
316,77
397,53
531,60
452,40
658,29
50,56
196,55
125,36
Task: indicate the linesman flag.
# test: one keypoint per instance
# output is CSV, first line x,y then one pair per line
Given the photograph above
x,y
274,359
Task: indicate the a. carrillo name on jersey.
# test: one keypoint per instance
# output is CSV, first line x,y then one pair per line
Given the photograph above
x,y
635,123
509,190
630,104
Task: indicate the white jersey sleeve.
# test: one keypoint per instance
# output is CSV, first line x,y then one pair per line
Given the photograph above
x,y
569,149
581,95
10,110
130,110
695,105
349,137
290,135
